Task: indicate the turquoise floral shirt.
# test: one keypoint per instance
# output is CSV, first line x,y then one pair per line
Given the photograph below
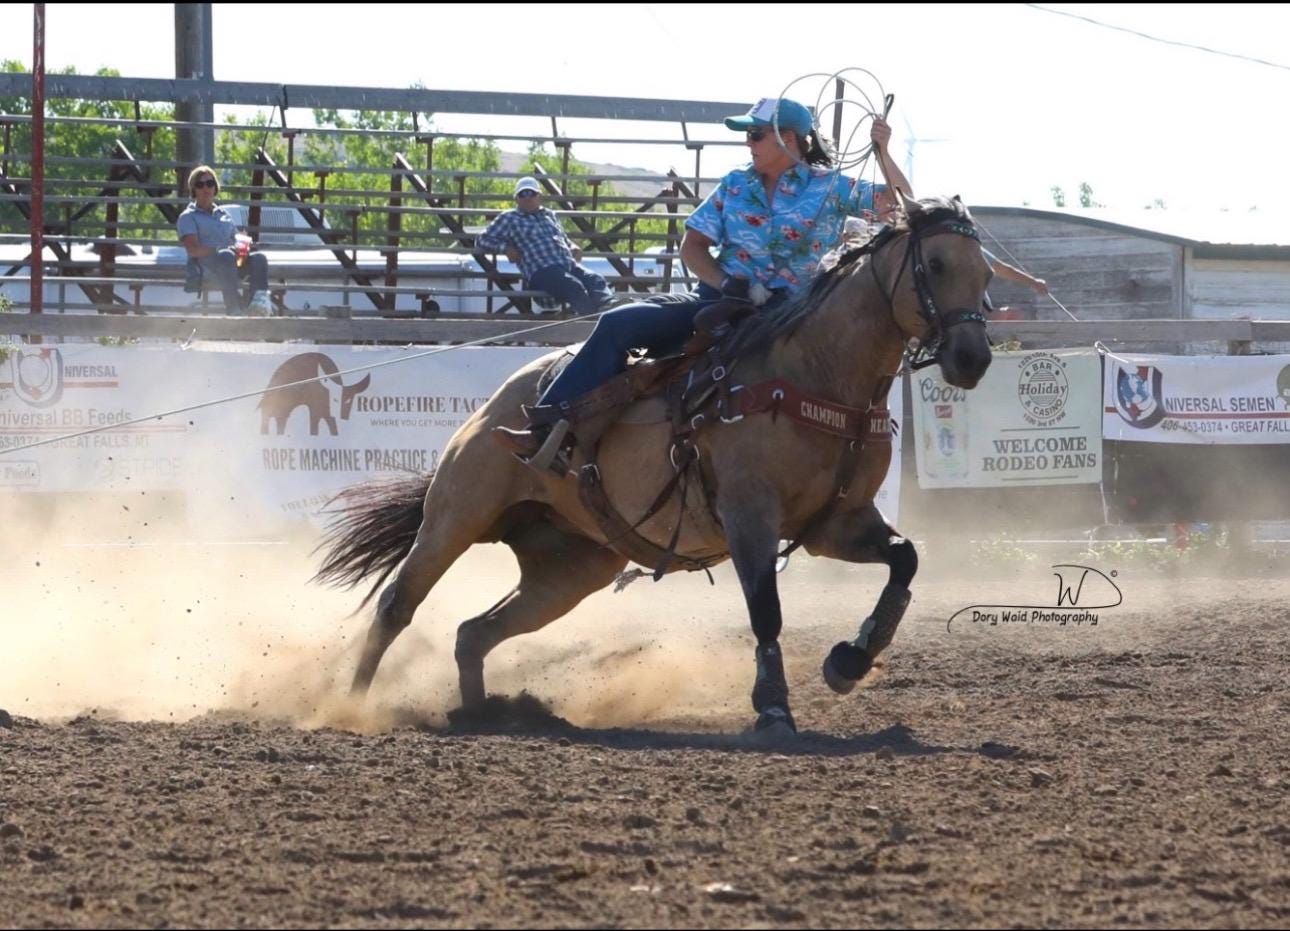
x,y
779,245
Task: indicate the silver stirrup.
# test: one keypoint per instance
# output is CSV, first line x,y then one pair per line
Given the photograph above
x,y
543,458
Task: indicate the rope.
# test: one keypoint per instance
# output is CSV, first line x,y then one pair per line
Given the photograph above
x,y
842,157
1017,262
1103,350
304,381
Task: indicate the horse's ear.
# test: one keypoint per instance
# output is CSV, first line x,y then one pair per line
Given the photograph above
x,y
960,208
908,205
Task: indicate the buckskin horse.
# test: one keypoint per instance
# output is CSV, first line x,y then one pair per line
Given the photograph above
x,y
791,442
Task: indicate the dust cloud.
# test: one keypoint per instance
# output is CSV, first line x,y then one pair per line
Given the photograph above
x,y
133,610
146,608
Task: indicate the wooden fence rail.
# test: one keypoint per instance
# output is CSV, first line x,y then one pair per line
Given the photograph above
x,y
560,332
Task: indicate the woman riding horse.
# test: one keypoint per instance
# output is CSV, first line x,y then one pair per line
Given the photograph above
x,y
772,220
800,456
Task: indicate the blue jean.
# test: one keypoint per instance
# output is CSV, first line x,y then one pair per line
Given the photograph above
x,y
659,325
223,265
584,291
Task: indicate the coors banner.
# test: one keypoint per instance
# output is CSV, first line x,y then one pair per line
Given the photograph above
x,y
1033,420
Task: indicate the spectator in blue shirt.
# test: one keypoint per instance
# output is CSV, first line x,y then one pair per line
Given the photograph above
x,y
209,233
531,236
770,223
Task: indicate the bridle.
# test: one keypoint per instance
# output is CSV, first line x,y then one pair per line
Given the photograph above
x,y
925,352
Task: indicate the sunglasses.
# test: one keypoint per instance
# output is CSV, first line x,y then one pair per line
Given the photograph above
x,y
208,182
526,194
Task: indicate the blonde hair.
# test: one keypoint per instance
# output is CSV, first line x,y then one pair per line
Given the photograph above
x,y
198,172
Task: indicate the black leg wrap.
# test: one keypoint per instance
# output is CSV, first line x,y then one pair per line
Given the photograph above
x,y
770,688
845,665
880,627
903,559
850,661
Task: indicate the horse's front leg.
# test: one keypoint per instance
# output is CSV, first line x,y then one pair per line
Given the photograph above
x,y
864,536
752,533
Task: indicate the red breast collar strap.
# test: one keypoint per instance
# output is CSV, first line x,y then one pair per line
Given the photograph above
x,y
782,397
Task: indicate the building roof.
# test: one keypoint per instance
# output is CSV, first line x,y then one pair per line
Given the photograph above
x,y
1211,234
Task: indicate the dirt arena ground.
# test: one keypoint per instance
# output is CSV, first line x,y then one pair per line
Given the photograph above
x,y
176,753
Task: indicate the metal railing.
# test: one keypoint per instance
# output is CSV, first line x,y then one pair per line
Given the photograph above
x,y
370,232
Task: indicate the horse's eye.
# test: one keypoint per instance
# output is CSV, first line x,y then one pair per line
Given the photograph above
x,y
937,266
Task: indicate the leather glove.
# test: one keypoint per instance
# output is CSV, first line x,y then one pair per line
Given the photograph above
x,y
734,289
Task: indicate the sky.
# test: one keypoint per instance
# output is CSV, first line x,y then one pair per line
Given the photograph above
x,y
1003,101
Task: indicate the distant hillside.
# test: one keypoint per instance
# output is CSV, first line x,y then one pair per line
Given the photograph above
x,y
511,161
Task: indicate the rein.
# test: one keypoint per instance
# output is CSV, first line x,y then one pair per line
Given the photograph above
x,y
926,354
922,353
714,398
872,424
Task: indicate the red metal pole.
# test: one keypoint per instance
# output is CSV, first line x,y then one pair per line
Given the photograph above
x,y
38,159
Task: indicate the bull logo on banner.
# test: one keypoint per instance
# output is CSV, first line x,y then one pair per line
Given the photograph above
x,y
326,400
1139,397
37,375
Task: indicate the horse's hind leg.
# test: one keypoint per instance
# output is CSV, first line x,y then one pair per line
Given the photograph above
x,y
446,532
864,536
557,571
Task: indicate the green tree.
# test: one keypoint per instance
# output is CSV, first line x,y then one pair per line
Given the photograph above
x,y
359,171
1059,196
359,166
579,192
67,142
1086,195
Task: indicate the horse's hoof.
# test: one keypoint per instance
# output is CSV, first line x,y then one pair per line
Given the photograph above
x,y
845,665
776,719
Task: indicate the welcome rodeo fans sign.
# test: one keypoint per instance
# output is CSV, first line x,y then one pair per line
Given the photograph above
x,y
1033,420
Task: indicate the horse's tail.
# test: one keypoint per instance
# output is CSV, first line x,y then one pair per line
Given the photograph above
x,y
372,528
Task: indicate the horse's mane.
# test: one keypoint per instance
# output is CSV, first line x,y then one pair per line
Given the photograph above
x,y
762,330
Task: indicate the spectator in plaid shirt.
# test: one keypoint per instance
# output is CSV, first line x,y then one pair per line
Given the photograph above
x,y
531,236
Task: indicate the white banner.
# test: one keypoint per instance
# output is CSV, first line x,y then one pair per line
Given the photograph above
x,y
283,453
1197,399
1034,419
248,465
888,497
